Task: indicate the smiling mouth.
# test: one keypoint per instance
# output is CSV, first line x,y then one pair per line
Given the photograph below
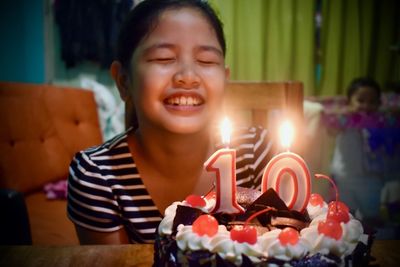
x,y
184,101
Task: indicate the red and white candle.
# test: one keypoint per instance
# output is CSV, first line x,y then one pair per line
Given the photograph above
x,y
288,174
223,164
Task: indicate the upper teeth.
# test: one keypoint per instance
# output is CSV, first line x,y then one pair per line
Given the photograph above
x,y
183,100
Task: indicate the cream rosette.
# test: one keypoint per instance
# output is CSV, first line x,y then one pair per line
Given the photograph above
x,y
273,247
210,203
353,230
315,211
220,243
166,224
165,227
352,233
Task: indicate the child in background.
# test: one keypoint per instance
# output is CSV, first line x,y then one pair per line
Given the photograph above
x,y
359,186
171,71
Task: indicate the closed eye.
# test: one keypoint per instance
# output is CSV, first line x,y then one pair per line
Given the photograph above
x,y
208,62
163,60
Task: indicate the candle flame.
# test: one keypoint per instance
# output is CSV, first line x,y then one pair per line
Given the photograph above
x,y
226,130
286,134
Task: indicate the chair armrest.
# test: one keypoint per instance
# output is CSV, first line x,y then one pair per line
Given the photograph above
x,y
14,225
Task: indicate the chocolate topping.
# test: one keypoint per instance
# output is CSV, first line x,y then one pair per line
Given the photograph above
x,y
271,199
185,215
246,196
268,199
282,222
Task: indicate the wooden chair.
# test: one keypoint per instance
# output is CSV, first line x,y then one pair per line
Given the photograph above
x,y
257,103
260,98
265,104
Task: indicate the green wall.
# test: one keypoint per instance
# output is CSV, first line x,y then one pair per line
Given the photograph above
x,y
22,41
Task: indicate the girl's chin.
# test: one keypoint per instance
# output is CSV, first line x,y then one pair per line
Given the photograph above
x,y
187,125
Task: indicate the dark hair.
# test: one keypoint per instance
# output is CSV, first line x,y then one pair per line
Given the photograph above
x,y
363,82
144,18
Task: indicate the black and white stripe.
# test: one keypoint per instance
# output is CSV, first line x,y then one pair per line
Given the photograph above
x,y
106,193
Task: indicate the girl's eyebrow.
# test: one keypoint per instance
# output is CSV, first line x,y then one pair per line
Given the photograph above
x,y
211,48
158,46
173,47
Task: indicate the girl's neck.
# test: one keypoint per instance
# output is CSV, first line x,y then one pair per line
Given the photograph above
x,y
179,154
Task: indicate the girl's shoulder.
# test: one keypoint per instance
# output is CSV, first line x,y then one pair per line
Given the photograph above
x,y
112,147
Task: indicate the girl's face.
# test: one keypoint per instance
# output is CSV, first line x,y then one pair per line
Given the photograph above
x,y
364,99
178,73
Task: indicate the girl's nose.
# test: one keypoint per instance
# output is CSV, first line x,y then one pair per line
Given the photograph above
x,y
186,76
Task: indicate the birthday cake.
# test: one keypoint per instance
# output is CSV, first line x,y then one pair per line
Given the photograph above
x,y
282,224
266,233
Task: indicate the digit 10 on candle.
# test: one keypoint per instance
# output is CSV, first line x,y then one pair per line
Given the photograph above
x,y
288,174
223,163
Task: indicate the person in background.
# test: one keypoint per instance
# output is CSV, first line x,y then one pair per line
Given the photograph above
x,y
170,71
358,185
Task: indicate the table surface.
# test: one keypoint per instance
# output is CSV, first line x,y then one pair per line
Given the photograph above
x,y
386,252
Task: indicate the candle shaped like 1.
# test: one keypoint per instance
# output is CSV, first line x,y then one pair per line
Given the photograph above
x,y
223,164
288,174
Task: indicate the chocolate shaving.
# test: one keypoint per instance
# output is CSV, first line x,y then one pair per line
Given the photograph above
x,y
268,198
282,222
185,215
246,196
259,228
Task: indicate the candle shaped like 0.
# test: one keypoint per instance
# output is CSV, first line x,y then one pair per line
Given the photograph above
x,y
223,163
288,174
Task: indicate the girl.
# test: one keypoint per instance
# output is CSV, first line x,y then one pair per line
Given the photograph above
x,y
171,73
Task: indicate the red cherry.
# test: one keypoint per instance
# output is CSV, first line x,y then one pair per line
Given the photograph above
x,y
205,225
337,210
338,205
288,236
338,215
243,234
195,201
330,228
316,200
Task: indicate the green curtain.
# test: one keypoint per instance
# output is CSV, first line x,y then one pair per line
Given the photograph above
x,y
356,40
269,39
275,40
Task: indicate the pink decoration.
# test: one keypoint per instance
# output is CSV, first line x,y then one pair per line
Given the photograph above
x,y
288,174
223,163
56,190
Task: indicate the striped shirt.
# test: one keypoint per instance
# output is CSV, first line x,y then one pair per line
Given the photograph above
x,y
106,192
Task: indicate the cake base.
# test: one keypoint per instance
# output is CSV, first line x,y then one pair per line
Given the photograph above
x,y
167,254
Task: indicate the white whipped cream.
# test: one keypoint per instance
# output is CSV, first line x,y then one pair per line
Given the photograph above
x,y
167,222
352,232
273,247
314,211
323,244
210,203
268,244
220,243
165,227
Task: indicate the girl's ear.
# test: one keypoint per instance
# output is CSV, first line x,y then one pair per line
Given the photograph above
x,y
227,73
121,80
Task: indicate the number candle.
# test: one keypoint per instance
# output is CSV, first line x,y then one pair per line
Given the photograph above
x,y
223,163
288,174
